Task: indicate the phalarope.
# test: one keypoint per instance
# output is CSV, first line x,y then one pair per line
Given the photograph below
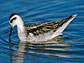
x,y
38,32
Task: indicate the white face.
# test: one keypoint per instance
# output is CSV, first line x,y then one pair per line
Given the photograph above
x,y
14,20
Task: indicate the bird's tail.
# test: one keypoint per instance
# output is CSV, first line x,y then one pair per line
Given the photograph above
x,y
63,24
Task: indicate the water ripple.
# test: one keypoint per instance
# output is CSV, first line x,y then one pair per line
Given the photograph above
x,y
69,48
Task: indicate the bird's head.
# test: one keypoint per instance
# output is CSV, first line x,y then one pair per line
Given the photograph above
x,y
14,20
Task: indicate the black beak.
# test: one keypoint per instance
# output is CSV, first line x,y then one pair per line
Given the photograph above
x,y
10,33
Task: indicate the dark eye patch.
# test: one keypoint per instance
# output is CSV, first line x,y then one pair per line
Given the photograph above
x,y
11,21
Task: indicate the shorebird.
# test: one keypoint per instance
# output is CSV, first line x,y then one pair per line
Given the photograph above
x,y
38,32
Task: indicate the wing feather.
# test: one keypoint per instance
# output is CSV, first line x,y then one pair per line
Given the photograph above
x,y
45,27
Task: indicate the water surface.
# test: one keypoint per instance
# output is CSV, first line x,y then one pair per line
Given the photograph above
x,y
68,48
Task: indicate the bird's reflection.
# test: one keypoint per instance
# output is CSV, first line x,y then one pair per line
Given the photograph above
x,y
49,48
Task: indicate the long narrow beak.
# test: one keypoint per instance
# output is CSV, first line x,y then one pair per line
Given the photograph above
x,y
10,33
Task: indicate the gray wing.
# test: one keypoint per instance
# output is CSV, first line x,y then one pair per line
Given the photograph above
x,y
45,27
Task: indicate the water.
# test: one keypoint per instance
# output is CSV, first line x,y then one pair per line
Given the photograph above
x,y
68,48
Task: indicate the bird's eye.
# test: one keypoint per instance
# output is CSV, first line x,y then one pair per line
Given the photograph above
x,y
11,21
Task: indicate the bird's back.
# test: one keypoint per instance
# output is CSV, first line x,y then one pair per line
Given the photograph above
x,y
47,30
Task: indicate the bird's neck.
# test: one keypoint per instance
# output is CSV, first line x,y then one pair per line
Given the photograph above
x,y
21,30
20,23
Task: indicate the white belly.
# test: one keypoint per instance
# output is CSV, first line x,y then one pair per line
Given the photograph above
x,y
41,37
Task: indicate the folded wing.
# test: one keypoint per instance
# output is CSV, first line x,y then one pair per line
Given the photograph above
x,y
45,27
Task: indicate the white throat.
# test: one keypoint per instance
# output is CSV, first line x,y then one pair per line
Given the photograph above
x,y
21,30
